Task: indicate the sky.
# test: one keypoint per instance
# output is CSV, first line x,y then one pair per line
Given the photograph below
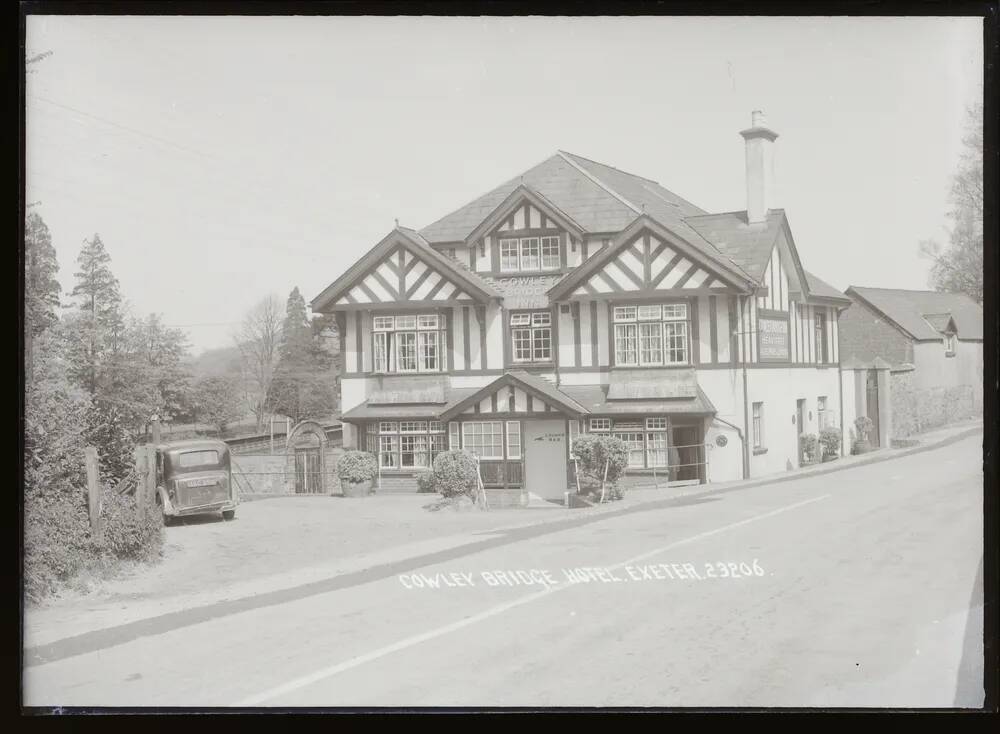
x,y
222,159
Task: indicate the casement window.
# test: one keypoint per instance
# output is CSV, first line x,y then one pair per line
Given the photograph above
x,y
484,438
408,343
758,425
821,347
647,441
526,254
651,335
531,336
409,444
513,439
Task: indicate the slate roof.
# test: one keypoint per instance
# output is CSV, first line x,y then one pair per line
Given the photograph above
x,y
748,245
822,289
908,310
430,411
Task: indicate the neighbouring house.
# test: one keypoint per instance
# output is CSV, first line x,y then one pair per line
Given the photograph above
x,y
578,298
932,343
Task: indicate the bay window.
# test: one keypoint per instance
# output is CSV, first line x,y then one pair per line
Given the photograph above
x,y
531,336
408,343
527,254
484,439
651,335
647,441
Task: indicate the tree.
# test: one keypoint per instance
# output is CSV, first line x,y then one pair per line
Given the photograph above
x,y
41,289
97,295
301,385
958,267
258,339
218,401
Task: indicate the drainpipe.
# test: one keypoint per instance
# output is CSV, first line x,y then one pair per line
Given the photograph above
x,y
746,406
840,391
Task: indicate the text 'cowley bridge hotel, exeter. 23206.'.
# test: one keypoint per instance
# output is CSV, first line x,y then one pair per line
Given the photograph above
x,y
579,298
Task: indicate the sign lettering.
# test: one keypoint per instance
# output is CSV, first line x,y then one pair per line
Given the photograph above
x,y
772,333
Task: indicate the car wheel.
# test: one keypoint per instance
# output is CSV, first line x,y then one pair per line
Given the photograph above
x,y
229,514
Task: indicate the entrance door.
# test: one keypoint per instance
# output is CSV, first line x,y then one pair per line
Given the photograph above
x,y
545,457
872,405
686,454
307,474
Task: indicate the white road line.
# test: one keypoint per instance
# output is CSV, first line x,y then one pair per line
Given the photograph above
x,y
354,662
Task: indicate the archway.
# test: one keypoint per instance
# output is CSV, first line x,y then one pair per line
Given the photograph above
x,y
306,458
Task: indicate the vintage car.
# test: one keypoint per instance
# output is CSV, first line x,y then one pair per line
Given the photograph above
x,y
194,478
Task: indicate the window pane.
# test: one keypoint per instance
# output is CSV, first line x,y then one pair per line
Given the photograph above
x,y
387,452
647,313
508,255
543,344
529,254
406,322
513,439
625,313
427,321
676,336
657,446
541,318
550,252
454,439
656,424
650,343
522,344
382,323
520,319
413,426
600,424
625,344
428,346
413,451
406,352
381,352
386,427
634,441
485,440
436,427
198,458
675,311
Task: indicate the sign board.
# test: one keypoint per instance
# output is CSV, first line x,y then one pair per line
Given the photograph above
x,y
772,336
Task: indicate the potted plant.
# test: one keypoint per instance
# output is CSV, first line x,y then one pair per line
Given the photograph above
x,y
863,425
356,470
829,439
456,477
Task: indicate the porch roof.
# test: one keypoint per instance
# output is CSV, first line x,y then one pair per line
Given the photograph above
x,y
595,399
369,410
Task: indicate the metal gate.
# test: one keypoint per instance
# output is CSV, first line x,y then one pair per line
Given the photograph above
x,y
872,406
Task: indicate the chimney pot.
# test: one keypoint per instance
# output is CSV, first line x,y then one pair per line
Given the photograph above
x,y
757,119
760,167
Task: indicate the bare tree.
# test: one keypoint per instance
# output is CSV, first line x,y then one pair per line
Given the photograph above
x,y
258,338
958,266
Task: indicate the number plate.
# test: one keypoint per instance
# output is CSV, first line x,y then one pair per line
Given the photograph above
x,y
201,482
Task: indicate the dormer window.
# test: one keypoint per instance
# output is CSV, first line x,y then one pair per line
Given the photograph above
x,y
529,254
949,345
407,343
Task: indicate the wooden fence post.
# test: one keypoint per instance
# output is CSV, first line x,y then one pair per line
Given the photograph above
x,y
145,468
93,489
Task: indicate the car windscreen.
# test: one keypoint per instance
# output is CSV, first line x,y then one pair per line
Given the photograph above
x,y
191,459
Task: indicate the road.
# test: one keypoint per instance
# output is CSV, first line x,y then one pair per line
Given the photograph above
x,y
859,588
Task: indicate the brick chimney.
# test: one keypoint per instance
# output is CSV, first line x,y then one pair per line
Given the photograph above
x,y
760,167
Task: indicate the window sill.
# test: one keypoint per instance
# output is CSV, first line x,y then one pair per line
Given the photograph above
x,y
758,452
525,273
532,365
678,366
949,354
404,472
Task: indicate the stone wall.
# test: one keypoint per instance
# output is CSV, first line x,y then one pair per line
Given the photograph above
x,y
916,409
272,474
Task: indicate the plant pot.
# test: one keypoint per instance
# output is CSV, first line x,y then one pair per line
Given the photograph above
x,y
861,447
355,489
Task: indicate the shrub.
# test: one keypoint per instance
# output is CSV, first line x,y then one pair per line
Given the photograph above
x,y
128,535
594,454
357,467
808,446
829,438
57,539
455,474
425,482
